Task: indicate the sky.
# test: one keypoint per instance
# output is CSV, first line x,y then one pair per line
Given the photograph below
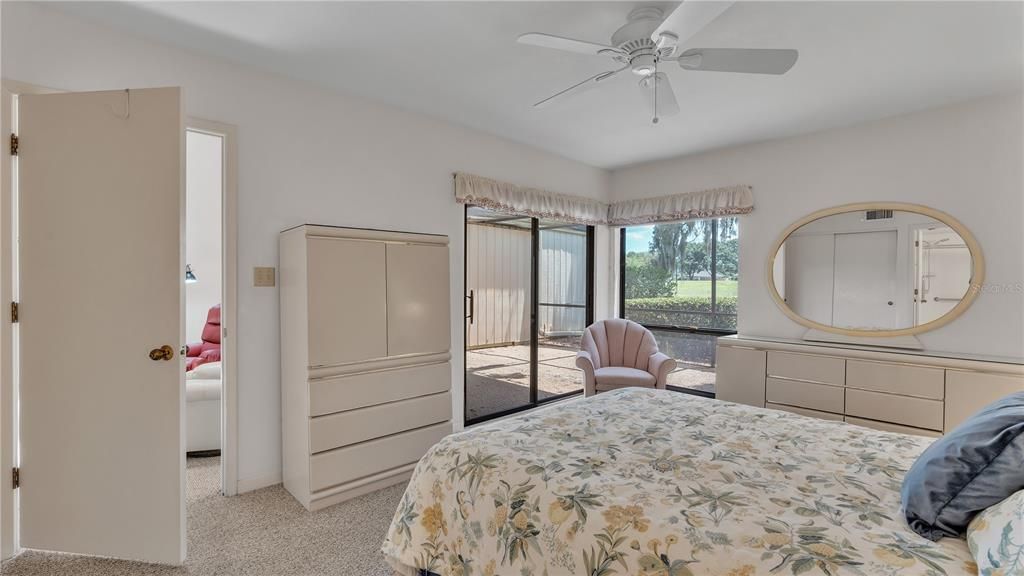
x,y
638,238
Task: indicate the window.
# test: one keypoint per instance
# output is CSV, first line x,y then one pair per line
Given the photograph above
x,y
681,281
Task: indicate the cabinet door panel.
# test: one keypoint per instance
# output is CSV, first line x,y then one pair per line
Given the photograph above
x,y
740,375
347,304
418,319
968,392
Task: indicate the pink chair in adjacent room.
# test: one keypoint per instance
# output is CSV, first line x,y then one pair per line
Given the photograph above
x,y
619,353
208,350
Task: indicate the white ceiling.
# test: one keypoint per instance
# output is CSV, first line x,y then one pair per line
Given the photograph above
x,y
460,61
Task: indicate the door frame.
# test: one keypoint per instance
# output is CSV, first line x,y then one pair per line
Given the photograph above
x,y
534,318
9,426
9,537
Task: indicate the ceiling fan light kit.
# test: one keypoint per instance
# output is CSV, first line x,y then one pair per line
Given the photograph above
x,y
648,39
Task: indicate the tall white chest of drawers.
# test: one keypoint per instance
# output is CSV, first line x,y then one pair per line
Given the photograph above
x,y
923,393
365,358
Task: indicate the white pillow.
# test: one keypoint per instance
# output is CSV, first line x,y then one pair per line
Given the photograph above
x,y
208,371
996,537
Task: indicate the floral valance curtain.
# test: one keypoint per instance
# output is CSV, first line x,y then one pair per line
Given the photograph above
x,y
518,200
707,204
512,199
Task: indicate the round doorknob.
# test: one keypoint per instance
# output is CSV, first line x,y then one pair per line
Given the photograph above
x,y
164,352
890,302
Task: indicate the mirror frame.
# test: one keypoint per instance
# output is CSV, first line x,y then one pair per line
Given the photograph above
x,y
977,268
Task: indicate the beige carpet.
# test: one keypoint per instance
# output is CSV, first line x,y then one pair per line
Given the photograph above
x,y
265,532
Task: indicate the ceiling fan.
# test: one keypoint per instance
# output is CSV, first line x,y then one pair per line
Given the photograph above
x,y
648,40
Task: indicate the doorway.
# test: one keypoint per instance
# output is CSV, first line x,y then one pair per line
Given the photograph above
x,y
529,296
205,292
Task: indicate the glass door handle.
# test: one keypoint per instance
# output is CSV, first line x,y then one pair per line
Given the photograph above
x,y
471,306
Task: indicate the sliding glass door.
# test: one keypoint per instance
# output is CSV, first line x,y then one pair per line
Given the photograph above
x,y
528,298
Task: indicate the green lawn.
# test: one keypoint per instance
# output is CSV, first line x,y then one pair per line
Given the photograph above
x,y
703,288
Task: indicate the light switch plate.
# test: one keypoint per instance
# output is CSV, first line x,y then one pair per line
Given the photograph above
x,y
263,276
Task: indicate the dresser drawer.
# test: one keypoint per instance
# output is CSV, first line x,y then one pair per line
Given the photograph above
x,y
896,378
805,412
890,427
353,426
343,465
804,395
905,410
328,395
823,369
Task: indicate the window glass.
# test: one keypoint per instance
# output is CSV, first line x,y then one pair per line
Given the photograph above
x,y
681,281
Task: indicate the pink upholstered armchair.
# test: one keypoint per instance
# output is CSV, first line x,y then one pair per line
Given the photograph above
x,y
618,353
209,349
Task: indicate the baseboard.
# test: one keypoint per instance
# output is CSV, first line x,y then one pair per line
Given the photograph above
x,y
250,484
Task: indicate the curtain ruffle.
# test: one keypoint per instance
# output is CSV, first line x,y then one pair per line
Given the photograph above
x,y
707,204
521,201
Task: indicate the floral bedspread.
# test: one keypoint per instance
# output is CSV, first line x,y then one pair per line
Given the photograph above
x,y
645,482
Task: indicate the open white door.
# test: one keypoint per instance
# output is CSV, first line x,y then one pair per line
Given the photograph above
x,y
101,206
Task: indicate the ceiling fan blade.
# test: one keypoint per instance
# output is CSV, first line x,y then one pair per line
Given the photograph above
x,y
686,20
657,86
566,44
579,87
746,60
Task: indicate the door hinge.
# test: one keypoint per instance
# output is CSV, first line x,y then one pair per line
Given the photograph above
x,y
14,144
16,478
14,312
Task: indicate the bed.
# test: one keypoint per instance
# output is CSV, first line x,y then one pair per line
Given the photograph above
x,y
650,482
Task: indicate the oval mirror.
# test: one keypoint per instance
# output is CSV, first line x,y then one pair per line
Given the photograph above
x,y
880,269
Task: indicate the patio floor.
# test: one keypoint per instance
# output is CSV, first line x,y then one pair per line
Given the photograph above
x,y
498,378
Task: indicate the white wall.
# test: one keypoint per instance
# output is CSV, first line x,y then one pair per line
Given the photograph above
x,y
966,159
305,155
202,228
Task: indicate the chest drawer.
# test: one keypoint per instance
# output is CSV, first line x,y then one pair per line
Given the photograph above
x,y
350,463
806,412
804,395
904,410
344,428
896,378
824,369
890,427
328,395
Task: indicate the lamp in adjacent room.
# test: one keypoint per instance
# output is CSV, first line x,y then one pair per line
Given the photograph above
x,y
190,277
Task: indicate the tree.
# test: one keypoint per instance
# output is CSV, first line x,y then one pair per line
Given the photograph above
x,y
729,259
646,279
668,243
696,260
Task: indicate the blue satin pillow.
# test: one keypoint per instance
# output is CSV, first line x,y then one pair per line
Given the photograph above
x,y
978,464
